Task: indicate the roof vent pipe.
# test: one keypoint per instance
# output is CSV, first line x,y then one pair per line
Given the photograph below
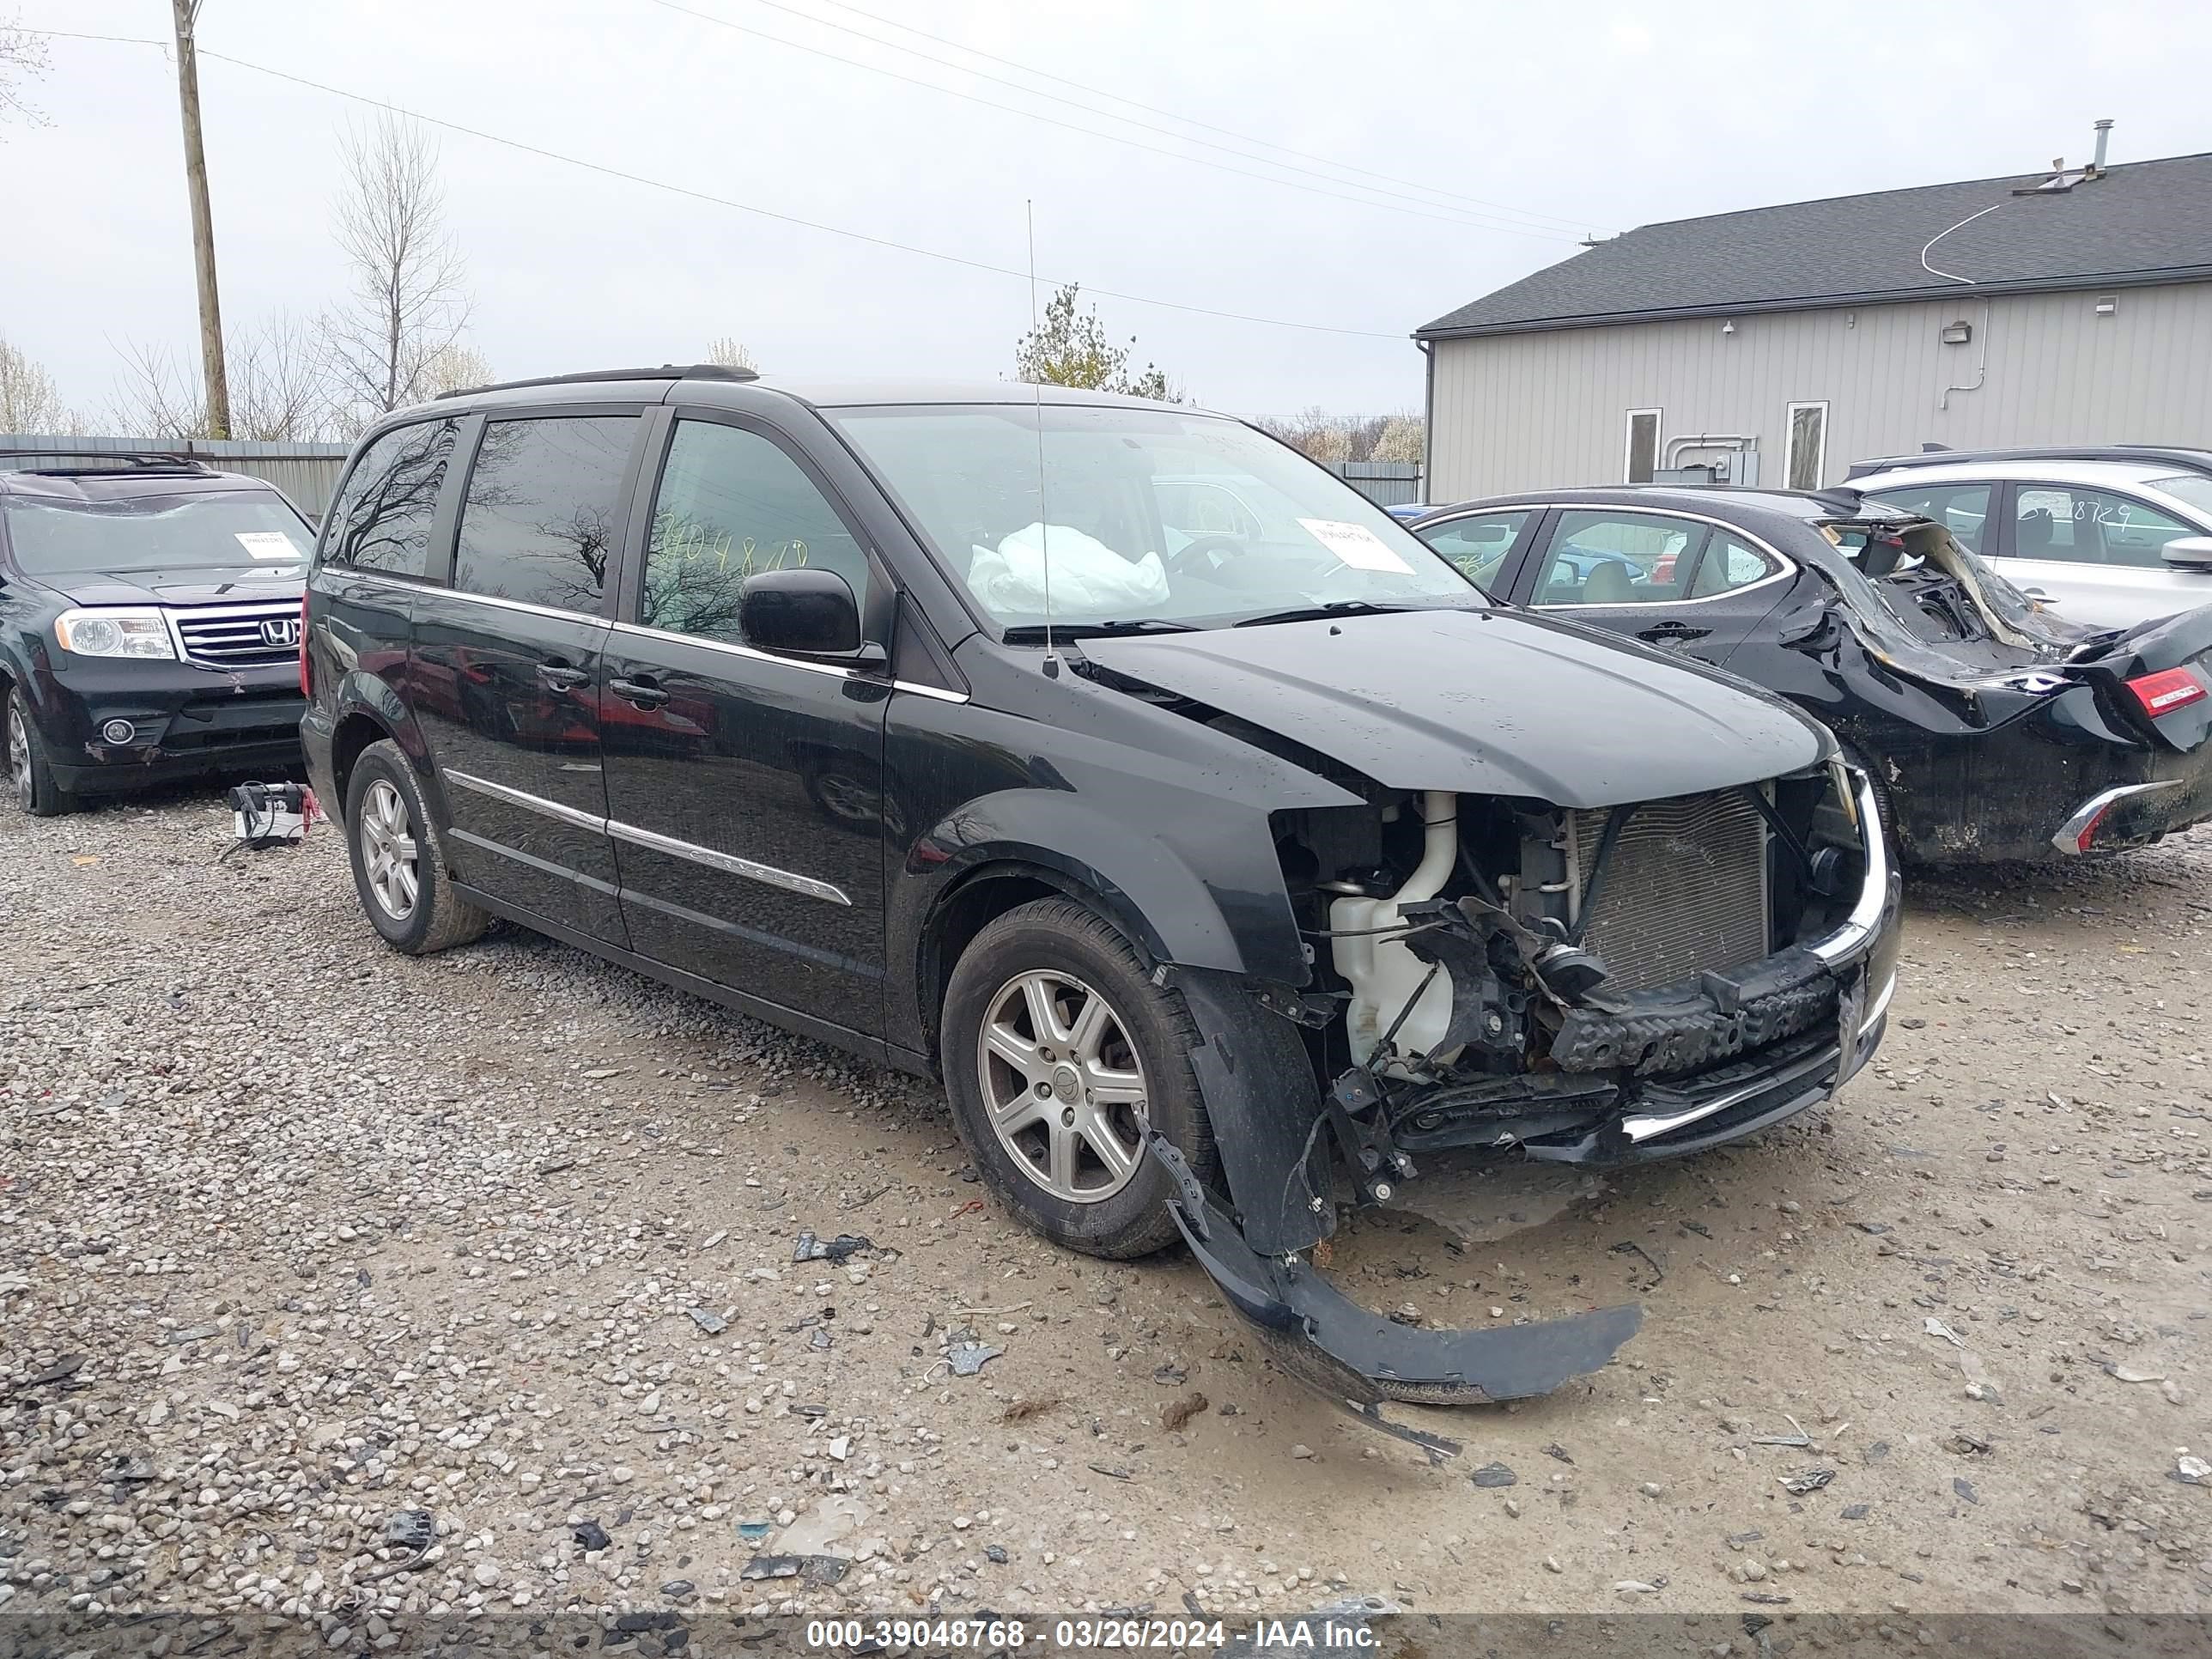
x,y
2104,130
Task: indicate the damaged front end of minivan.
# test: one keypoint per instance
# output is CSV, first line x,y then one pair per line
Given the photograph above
x,y
1603,953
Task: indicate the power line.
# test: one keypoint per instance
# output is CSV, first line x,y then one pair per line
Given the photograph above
x,y
1150,109
718,201
1451,215
1536,226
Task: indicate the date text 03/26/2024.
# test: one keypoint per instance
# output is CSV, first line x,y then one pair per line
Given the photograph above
x,y
1079,1635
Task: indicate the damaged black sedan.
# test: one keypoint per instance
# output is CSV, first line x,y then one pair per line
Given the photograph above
x,y
1224,849
1992,728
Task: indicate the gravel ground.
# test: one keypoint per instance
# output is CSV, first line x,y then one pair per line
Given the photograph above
x,y
297,1234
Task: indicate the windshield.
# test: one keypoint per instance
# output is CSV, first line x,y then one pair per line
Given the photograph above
x,y
245,527
2192,488
1155,515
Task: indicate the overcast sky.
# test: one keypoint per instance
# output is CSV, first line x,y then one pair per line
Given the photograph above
x,y
1553,120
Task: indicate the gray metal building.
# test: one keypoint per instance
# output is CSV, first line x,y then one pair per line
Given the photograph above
x,y
1778,345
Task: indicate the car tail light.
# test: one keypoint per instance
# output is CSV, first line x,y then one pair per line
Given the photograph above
x,y
306,673
2170,689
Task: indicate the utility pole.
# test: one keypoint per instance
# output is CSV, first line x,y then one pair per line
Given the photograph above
x,y
188,99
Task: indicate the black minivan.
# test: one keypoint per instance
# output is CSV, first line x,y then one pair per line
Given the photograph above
x,y
1206,832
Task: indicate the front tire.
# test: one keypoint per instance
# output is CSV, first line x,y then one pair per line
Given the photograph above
x,y
30,771
1059,1053
399,866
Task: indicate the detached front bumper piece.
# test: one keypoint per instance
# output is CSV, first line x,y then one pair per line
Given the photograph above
x,y
1357,1358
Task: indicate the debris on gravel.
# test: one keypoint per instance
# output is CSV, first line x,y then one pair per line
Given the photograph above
x,y
299,1237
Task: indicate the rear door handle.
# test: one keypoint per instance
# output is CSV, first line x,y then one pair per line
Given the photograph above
x,y
559,675
1671,633
643,692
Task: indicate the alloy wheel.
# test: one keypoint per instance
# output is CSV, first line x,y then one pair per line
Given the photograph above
x,y
19,756
1063,1085
388,850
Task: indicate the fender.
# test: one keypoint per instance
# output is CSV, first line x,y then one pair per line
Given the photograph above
x,y
1210,936
361,693
1173,912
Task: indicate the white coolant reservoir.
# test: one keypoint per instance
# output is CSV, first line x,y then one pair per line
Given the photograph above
x,y
1385,976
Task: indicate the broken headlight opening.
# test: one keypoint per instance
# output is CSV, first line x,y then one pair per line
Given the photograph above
x,y
1603,984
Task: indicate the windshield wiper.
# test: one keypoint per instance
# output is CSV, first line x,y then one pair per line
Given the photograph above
x,y
1330,608
1033,633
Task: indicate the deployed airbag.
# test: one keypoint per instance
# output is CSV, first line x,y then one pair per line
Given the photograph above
x,y
1085,578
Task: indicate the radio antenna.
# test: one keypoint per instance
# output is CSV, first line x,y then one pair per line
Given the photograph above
x,y
1045,515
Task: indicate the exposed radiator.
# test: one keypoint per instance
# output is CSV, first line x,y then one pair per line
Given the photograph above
x,y
1684,888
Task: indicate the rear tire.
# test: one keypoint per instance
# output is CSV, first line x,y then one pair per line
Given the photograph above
x,y
1059,1051
30,771
399,866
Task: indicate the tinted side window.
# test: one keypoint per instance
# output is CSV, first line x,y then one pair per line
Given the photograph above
x,y
381,520
1477,545
544,501
1727,564
1612,557
732,504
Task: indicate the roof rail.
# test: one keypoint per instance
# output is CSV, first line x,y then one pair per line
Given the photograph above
x,y
120,460
665,372
2174,455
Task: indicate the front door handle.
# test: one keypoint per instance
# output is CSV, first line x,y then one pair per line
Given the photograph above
x,y
1671,633
645,693
559,675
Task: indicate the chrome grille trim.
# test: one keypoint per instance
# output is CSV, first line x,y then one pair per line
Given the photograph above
x,y
229,635
1684,888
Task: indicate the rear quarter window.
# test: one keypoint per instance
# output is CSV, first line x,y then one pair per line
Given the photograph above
x,y
381,519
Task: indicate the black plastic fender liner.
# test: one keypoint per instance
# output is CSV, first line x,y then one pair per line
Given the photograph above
x,y
1265,1111
1359,1358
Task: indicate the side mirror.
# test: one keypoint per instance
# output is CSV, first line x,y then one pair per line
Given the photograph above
x,y
2188,552
800,613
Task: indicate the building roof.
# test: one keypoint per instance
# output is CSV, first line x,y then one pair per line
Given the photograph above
x,y
2138,223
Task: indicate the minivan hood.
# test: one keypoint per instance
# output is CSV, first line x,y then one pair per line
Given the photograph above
x,y
1495,702
209,585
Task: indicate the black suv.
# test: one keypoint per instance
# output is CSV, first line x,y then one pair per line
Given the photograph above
x,y
150,624
1242,839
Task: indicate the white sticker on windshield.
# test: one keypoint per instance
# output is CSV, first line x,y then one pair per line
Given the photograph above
x,y
1357,546
267,544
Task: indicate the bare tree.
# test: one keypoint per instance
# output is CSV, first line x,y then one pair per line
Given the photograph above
x,y
154,400
22,58
730,352
409,302
30,403
279,389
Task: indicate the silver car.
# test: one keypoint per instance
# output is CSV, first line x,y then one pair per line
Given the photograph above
x,y
2110,537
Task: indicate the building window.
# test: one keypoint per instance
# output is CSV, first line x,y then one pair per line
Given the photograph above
x,y
1807,461
1643,446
